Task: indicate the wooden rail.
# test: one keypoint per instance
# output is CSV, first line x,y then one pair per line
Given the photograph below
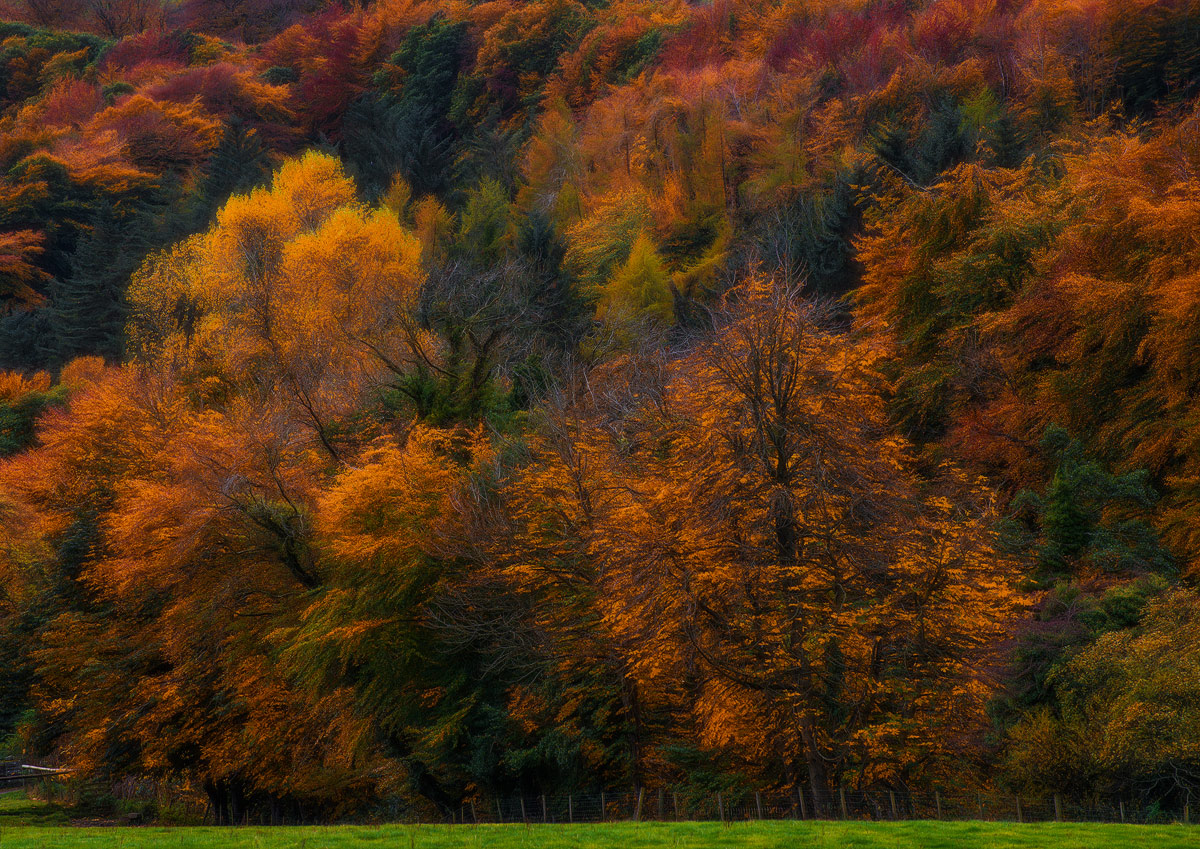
x,y
17,774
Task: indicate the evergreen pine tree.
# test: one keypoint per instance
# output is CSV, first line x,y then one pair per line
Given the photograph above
x,y
22,337
383,136
1087,514
240,163
940,144
408,132
563,313
1006,142
87,306
826,219
890,143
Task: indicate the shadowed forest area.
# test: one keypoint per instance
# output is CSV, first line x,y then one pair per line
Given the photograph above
x,y
412,402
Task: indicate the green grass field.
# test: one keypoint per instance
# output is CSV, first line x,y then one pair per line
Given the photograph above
x,y
31,825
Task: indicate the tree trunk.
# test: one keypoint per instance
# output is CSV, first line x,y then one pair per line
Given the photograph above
x,y
218,798
237,803
631,703
816,764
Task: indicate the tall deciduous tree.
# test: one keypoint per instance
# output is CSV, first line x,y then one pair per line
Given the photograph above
x,y
781,544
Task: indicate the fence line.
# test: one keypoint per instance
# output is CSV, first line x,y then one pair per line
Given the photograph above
x,y
15,774
689,804
664,805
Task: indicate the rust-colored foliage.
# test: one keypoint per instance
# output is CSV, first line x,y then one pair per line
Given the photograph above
x,y
777,541
18,270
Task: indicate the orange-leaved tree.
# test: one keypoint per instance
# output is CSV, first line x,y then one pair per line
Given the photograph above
x,y
779,554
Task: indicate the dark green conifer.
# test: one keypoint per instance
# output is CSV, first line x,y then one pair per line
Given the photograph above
x,y
87,306
1088,514
240,163
561,311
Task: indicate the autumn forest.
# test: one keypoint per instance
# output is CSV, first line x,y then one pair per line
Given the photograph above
x,y
405,402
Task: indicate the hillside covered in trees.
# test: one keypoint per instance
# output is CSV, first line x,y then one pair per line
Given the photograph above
x,y
413,401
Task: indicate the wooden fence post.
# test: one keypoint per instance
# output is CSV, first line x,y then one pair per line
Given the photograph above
x,y
603,808
758,803
800,795
1057,808
720,808
637,817
524,817
474,818
1020,818
937,800
499,810
979,800
544,820
570,808
675,804
816,804
892,798
842,799
1121,804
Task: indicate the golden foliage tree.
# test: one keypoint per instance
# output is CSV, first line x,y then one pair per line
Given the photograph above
x,y
780,553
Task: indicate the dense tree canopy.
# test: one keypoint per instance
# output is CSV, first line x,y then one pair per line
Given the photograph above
x,y
412,401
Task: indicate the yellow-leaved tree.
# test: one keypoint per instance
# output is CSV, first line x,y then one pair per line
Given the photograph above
x,y
190,476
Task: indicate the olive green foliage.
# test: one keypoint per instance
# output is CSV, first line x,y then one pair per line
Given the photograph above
x,y
1127,713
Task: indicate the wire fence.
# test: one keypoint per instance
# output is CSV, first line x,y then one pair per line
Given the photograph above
x,y
878,805
655,805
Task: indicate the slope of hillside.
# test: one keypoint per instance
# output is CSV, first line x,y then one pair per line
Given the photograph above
x,y
422,399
